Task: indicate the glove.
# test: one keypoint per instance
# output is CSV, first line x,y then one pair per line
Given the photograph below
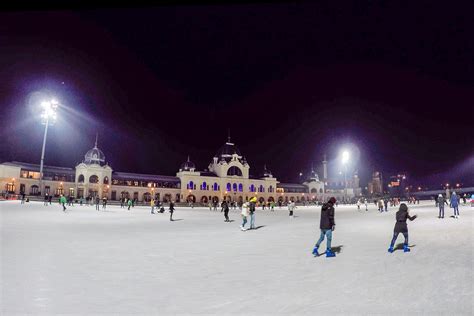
x,y
333,227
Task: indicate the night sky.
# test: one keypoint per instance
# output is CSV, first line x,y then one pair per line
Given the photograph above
x,y
292,81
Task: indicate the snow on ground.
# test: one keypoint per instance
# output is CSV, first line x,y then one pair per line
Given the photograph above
x,y
116,261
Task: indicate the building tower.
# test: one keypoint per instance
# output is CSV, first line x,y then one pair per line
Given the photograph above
x,y
325,169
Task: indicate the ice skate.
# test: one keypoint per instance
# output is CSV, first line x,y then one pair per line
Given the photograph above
x,y
315,251
390,249
405,248
330,254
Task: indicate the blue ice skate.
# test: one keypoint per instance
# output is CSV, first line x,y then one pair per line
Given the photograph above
x,y
315,251
405,248
330,254
390,249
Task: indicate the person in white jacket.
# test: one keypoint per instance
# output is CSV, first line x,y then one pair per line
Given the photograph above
x,y
245,213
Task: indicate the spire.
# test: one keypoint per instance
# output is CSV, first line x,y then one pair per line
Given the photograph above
x,y
228,135
96,137
188,159
324,158
312,167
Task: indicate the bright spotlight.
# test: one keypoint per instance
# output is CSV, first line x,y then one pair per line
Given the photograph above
x,y
345,156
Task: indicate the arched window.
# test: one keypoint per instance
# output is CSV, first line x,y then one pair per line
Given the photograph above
x,y
234,187
270,189
203,186
190,185
106,180
241,188
80,179
34,189
228,187
261,189
252,188
215,187
234,171
313,190
94,179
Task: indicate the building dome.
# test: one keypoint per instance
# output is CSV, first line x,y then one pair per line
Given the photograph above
x,y
94,156
227,150
188,165
313,176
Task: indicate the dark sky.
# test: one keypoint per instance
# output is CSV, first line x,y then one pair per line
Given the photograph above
x,y
292,81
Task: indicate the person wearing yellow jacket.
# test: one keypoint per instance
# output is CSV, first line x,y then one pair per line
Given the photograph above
x,y
252,204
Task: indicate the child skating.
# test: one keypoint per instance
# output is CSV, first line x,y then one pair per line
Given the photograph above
x,y
401,227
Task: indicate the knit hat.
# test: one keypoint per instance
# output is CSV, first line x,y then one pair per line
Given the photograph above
x,y
403,207
332,200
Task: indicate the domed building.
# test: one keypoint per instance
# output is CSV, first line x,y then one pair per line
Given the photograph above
x,y
227,177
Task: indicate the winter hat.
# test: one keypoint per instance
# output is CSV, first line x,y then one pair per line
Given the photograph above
x,y
332,200
403,207
440,195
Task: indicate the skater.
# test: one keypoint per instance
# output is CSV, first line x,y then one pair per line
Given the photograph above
x,y
104,202
63,201
23,198
358,205
291,208
210,206
366,205
81,200
122,202
97,202
46,199
171,210
380,206
327,225
225,208
455,204
385,202
245,213
252,204
152,204
441,201
129,203
272,206
401,227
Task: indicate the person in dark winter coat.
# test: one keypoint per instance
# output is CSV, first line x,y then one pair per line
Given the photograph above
x,y
327,225
455,204
441,201
225,208
401,227
171,210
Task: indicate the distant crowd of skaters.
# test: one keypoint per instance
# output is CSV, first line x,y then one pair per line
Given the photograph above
x,y
327,219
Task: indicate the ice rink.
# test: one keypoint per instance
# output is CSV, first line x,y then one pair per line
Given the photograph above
x,y
86,262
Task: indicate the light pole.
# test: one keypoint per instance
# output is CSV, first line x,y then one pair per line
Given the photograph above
x,y
345,160
48,117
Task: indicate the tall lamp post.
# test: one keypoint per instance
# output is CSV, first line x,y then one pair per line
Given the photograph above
x,y
345,160
47,117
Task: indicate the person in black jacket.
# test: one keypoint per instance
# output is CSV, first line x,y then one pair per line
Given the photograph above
x,y
327,225
225,208
171,210
401,227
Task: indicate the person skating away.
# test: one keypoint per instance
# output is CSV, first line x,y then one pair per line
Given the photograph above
x,y
104,202
171,210
455,204
358,205
380,206
441,201
225,208
152,204
129,203
122,202
272,205
252,205
46,199
327,225
366,205
385,202
401,227
245,213
23,198
97,202
63,201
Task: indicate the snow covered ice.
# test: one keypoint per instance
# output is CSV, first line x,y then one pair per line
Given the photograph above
x,y
132,262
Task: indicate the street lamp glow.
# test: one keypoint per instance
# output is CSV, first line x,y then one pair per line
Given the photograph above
x,y
345,157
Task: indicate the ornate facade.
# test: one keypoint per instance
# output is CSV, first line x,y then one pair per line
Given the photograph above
x,y
226,177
